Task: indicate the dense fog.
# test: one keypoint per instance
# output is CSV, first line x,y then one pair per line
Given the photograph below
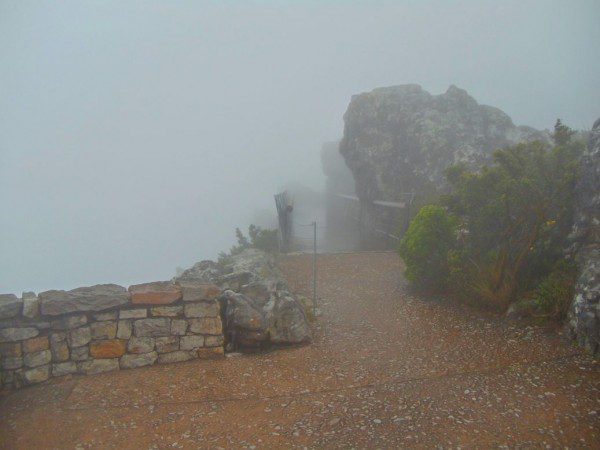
x,y
135,136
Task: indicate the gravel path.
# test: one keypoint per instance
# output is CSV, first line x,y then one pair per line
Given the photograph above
x,y
386,370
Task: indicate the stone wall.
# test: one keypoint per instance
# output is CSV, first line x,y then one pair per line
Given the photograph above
x,y
105,327
584,315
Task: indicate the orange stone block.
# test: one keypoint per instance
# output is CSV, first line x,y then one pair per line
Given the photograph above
x,y
157,293
111,348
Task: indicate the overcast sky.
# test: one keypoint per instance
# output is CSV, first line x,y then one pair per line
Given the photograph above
x,y
136,135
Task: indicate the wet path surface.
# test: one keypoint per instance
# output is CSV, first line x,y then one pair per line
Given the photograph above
x,y
386,370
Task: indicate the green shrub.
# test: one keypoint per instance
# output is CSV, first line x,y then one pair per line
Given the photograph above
x,y
517,213
424,247
262,239
554,294
504,228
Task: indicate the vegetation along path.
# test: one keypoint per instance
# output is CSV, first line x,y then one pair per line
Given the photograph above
x,y
386,370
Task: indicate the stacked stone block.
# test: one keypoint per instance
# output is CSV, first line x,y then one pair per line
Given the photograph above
x,y
100,328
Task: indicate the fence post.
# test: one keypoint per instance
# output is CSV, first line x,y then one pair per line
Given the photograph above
x,y
314,268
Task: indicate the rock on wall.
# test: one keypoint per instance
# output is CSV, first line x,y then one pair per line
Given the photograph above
x,y
259,309
401,139
105,327
584,315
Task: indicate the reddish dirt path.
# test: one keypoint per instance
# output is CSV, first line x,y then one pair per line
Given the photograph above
x,y
386,370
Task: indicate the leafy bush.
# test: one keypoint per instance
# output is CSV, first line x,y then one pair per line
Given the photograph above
x,y
554,294
513,219
425,247
263,239
259,238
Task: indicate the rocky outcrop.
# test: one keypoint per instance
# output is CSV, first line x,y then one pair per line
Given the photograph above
x,y
584,315
258,308
401,139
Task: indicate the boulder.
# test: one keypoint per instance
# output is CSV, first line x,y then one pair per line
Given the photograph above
x,y
156,293
203,272
255,303
245,322
287,323
83,299
10,306
400,140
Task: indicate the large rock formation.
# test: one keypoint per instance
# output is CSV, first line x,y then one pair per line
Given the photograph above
x,y
398,142
401,139
258,307
584,315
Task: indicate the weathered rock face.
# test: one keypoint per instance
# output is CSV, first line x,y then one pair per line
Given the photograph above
x,y
286,321
258,308
584,315
93,298
244,320
401,139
